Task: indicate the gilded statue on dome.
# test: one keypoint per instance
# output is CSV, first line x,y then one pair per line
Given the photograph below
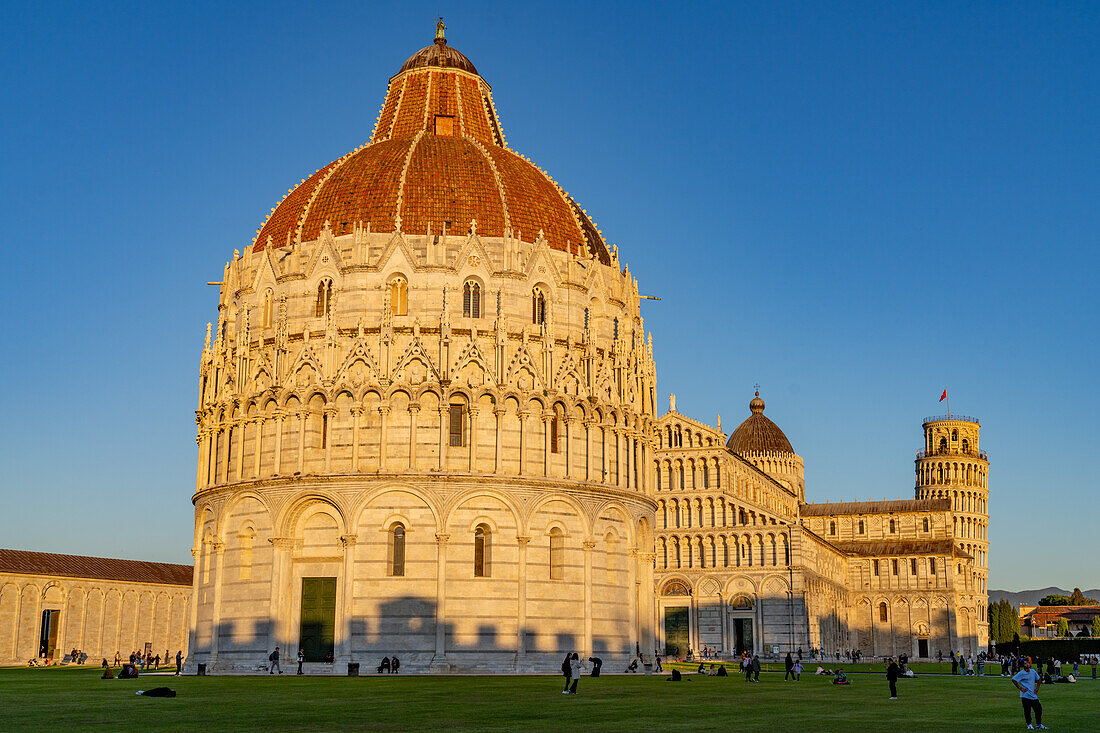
x,y
439,28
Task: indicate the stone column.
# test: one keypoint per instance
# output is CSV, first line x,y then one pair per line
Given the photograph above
x,y
648,612
414,411
84,624
521,596
588,449
441,596
628,458
356,413
215,632
200,472
196,579
499,413
384,413
347,596
301,415
329,426
280,417
633,589
546,443
444,431
568,447
589,545
473,439
522,441
241,426
280,550
258,447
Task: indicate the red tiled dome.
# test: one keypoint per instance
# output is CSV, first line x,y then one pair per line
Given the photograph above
x,y
437,158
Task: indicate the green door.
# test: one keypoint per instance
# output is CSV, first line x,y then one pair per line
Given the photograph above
x,y
318,630
676,631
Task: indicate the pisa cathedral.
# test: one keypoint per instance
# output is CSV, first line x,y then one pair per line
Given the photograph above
x,y
427,426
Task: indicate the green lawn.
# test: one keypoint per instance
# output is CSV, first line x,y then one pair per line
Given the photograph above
x,y
74,698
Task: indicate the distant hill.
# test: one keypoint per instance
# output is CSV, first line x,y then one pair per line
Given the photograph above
x,y
1031,597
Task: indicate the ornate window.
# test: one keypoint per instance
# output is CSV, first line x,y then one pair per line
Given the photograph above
x,y
555,427
861,526
399,296
397,550
324,297
482,547
895,566
832,528
932,566
268,316
913,566
892,526
557,552
943,445
966,445
538,306
883,614
457,427
926,524
471,299
706,475
875,563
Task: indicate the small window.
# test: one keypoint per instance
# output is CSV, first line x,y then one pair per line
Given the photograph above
x,y
861,526
913,566
324,297
444,125
397,550
926,524
832,528
943,445
538,307
555,429
931,566
895,567
458,425
399,296
875,564
324,430
954,435
471,299
892,526
481,551
557,549
883,614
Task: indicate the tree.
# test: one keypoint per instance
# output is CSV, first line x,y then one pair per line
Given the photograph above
x,y
1077,598
1054,599
1012,620
1063,628
1096,626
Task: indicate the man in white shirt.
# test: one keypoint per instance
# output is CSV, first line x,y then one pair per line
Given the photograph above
x,y
1027,681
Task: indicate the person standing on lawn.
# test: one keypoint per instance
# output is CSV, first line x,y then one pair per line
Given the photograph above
x,y
789,664
1027,681
892,674
755,668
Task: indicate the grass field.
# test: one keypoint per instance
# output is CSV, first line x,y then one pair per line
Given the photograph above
x,y
75,698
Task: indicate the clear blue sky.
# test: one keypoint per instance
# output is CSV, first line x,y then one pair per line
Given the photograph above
x,y
854,204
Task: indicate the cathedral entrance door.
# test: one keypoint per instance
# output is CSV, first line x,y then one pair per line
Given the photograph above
x,y
318,625
922,648
677,637
47,643
742,635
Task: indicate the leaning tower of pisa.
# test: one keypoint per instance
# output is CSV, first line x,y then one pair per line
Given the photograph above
x,y
953,466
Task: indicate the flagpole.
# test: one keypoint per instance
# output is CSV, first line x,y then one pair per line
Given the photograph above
x,y
948,404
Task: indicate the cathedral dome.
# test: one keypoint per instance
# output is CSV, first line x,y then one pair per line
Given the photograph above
x,y
758,434
437,160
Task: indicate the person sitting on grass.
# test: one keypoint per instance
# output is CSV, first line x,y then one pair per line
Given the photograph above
x,y
841,678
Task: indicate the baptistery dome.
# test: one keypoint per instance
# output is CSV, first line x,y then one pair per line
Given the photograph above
x,y
425,411
436,162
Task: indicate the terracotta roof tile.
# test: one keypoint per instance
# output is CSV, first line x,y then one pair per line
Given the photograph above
x,y
101,568
897,548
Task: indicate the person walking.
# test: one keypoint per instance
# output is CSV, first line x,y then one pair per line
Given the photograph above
x,y
797,669
274,659
179,661
567,672
746,667
1027,681
755,667
788,663
892,674
301,659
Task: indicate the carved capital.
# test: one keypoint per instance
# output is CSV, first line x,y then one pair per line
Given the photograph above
x,y
442,538
589,545
349,540
414,407
523,540
282,543
219,547
383,410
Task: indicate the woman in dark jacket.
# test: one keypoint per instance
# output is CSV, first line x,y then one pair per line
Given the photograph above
x,y
789,662
567,671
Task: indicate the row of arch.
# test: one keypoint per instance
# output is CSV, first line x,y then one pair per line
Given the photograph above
x,y
932,473
673,437
693,473
423,431
679,552
284,520
707,512
98,619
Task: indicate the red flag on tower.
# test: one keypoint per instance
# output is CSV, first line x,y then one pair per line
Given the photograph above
x,y
944,395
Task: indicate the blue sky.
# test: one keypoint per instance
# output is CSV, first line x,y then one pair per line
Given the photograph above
x,y
853,204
